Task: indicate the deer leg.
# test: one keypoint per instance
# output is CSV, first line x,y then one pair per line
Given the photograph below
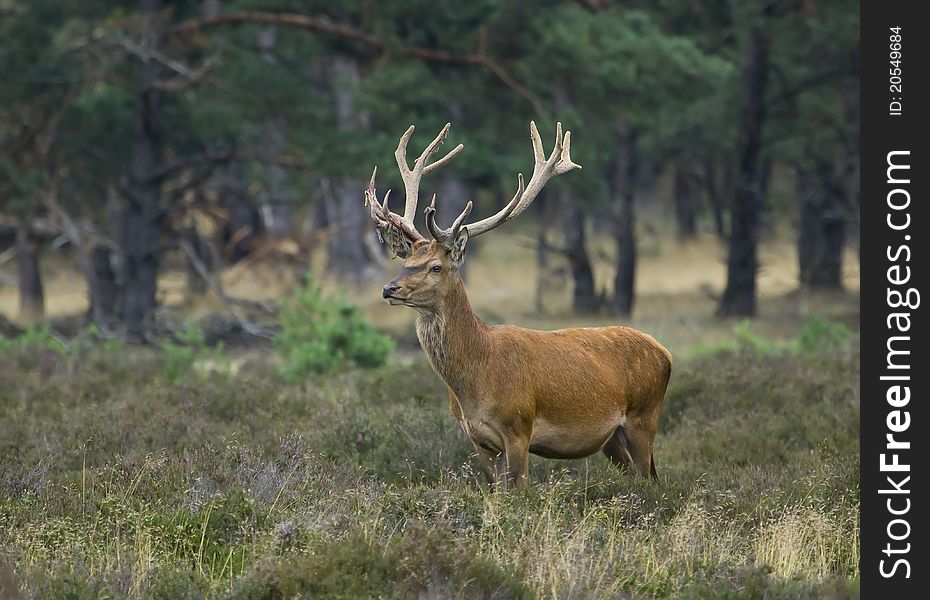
x,y
456,409
640,435
618,451
517,452
491,463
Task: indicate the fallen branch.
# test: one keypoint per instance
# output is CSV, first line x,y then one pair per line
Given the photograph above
x,y
234,305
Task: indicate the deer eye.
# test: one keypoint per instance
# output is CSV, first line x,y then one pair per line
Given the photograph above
x,y
436,268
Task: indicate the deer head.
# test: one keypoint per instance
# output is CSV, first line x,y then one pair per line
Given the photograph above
x,y
432,266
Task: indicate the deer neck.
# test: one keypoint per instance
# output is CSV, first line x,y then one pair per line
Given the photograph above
x,y
454,339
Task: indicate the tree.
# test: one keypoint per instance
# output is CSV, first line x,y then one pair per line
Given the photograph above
x,y
739,297
624,186
815,68
821,226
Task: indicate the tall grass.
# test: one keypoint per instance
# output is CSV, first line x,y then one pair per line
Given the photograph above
x,y
117,480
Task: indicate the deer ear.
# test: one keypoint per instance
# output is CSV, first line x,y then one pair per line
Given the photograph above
x,y
458,247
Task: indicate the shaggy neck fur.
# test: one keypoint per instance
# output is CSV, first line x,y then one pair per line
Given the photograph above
x,y
454,339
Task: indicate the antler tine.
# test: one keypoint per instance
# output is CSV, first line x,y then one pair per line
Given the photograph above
x,y
444,160
399,235
448,235
401,152
413,176
384,203
539,155
544,169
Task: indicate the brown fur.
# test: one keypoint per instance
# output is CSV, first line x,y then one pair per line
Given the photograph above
x,y
560,394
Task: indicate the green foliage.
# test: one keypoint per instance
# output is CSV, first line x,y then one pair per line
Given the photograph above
x,y
820,335
321,333
33,339
817,335
188,350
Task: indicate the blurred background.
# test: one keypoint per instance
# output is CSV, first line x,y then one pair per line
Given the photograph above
x,y
203,394
162,161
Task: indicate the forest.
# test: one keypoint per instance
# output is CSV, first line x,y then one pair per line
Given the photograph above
x,y
203,393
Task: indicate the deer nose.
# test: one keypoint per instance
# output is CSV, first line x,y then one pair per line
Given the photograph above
x,y
388,290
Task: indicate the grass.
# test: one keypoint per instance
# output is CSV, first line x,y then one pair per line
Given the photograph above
x,y
117,480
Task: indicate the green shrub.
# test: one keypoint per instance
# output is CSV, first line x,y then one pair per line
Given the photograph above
x,y
819,334
34,338
320,334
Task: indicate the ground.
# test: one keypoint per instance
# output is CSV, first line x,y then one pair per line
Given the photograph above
x,y
123,478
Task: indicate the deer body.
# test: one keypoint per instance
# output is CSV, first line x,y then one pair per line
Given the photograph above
x,y
567,393
558,394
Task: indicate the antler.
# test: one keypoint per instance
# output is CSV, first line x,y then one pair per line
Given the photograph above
x,y
544,169
400,230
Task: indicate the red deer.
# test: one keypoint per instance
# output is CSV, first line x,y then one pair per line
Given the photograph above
x,y
558,394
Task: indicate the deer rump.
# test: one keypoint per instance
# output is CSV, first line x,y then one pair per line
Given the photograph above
x,y
574,387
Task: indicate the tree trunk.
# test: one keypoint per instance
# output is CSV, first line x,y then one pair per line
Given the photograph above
x,y
713,196
850,162
546,210
685,210
140,225
31,291
584,295
822,228
623,185
739,297
105,288
766,212
346,257
346,214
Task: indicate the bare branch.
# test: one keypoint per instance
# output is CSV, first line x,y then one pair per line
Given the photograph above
x,y
324,24
234,305
186,76
189,79
320,23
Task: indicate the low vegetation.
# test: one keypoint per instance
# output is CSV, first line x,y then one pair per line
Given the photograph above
x,y
121,477
320,334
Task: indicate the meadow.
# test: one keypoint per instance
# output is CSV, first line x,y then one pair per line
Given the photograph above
x,y
228,481
186,471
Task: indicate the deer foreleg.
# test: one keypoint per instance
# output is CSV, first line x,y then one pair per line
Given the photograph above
x,y
517,452
491,465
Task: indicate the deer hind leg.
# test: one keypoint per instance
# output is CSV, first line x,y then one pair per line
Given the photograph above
x,y
617,450
630,446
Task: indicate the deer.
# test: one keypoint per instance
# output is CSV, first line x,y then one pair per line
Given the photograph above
x,y
566,393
